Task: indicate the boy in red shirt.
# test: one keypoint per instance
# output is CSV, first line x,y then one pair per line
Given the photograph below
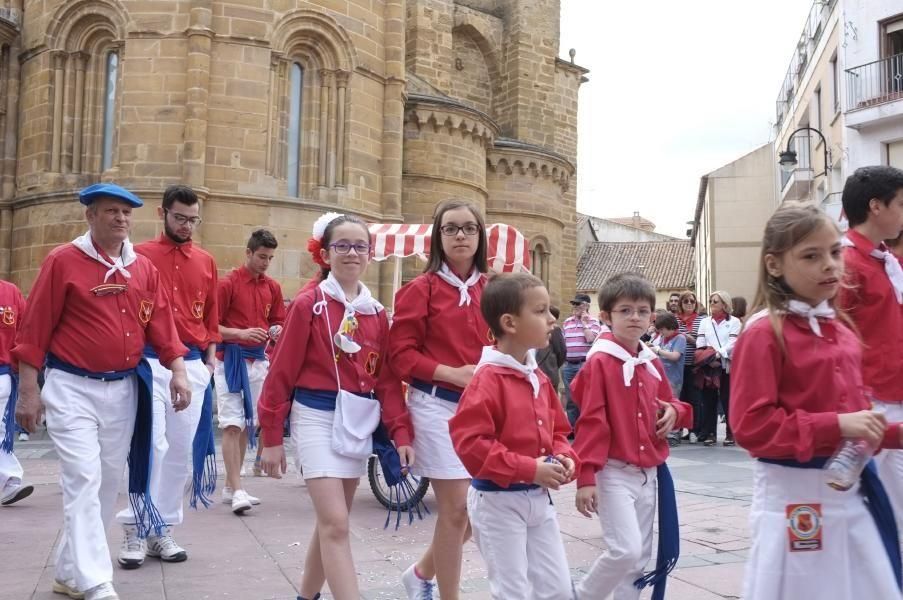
x,y
510,432
627,409
873,298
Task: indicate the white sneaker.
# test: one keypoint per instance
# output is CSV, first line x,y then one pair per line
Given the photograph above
x,y
227,497
104,591
133,548
165,548
15,490
693,438
67,588
415,587
23,436
240,502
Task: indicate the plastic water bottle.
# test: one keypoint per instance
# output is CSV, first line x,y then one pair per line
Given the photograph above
x,y
847,463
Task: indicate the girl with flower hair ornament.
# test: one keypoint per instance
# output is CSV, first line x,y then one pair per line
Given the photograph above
x,y
329,373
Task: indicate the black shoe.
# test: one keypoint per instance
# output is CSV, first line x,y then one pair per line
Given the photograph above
x,y
729,442
709,442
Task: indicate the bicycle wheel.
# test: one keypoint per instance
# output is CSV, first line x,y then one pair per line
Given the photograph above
x,y
381,490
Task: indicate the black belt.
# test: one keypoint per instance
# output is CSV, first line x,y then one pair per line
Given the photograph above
x,y
576,362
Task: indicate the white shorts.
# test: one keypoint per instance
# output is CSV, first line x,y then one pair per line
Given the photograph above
x,y
434,455
230,406
312,434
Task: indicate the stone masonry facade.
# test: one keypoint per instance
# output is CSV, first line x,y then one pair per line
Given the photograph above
x,y
278,110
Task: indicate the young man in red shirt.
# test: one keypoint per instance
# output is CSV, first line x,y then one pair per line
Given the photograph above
x,y
12,488
251,313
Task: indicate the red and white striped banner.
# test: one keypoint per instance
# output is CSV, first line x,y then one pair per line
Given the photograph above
x,y
508,249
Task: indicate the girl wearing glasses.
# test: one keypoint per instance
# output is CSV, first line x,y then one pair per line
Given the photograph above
x,y
437,337
331,361
718,331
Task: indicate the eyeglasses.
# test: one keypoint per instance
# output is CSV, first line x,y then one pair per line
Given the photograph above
x,y
345,248
183,220
714,301
626,313
689,301
452,230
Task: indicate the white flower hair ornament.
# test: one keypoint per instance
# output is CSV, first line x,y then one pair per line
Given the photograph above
x,y
322,223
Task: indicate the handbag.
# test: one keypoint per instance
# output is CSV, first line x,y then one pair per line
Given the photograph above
x,y
356,417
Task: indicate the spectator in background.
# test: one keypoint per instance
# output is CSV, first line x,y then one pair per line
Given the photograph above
x,y
738,304
580,331
554,355
689,320
670,346
718,331
674,303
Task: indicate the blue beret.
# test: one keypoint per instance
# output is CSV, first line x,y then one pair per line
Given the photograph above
x,y
108,190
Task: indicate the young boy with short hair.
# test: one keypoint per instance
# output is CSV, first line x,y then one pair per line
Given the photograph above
x,y
873,297
510,432
627,408
670,345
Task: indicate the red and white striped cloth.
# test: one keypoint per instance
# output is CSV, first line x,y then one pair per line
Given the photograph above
x,y
508,249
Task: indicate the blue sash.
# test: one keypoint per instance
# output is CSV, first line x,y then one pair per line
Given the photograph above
x,y
401,484
9,415
237,380
876,500
203,447
140,455
668,536
316,399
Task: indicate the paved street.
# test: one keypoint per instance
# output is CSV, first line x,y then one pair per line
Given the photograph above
x,y
259,556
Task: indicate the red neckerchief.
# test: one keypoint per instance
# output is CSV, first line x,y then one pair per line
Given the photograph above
x,y
719,319
665,340
688,321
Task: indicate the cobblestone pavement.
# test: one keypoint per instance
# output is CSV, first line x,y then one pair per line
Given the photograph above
x,y
259,556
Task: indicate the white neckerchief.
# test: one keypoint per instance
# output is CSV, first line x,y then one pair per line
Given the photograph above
x,y
812,313
364,304
645,357
463,286
491,356
127,256
892,267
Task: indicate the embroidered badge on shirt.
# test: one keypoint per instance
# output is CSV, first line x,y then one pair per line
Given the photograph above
x,y
9,315
372,361
804,527
197,309
109,289
145,310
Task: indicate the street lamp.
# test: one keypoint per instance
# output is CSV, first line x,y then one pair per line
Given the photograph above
x,y
788,157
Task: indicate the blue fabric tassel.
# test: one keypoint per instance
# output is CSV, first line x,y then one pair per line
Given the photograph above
x,y
9,415
668,536
401,489
140,459
237,380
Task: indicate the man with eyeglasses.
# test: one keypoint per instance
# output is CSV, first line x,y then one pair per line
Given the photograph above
x,y
188,275
93,307
251,313
580,331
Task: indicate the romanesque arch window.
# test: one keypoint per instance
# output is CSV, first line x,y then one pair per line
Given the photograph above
x,y
310,70
109,109
539,259
293,165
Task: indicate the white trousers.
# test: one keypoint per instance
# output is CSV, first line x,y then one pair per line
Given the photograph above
x,y
890,465
230,408
173,437
518,535
627,498
851,563
91,424
10,468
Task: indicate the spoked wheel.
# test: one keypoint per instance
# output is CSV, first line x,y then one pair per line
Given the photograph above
x,y
381,490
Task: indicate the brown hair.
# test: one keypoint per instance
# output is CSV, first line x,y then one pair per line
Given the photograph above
x,y
437,254
684,296
504,295
790,224
631,286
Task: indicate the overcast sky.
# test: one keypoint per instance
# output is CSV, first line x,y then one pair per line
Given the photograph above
x,y
675,91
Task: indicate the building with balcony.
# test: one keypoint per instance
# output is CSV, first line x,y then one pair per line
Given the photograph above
x,y
276,111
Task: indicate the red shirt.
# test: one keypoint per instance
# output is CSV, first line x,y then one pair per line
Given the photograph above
x,y
617,421
188,274
12,305
868,297
95,333
500,429
305,358
784,405
245,301
430,329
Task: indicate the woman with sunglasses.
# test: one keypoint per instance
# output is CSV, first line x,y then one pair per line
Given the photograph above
x,y
689,318
718,331
437,337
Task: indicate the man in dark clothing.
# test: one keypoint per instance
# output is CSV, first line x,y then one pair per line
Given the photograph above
x,y
553,356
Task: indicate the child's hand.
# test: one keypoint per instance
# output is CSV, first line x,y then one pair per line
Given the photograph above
x,y
406,457
864,424
587,500
568,463
549,474
667,419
